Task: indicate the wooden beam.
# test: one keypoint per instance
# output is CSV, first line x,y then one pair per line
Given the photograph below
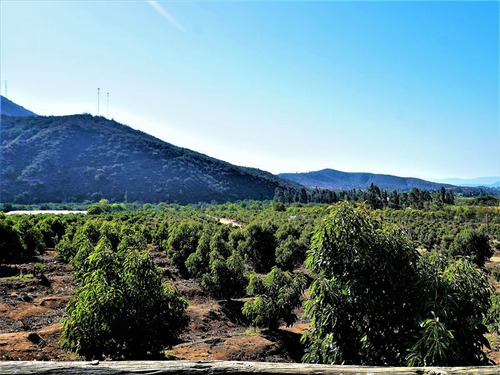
x,y
224,368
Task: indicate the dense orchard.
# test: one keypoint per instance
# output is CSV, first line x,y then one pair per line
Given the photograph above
x,y
373,267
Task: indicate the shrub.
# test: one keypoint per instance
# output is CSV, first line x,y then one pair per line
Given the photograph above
x,y
276,298
121,309
473,244
377,302
259,246
31,235
226,278
52,229
455,301
182,241
11,244
492,319
197,263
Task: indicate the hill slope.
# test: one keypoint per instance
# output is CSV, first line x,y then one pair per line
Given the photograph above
x,y
81,157
333,179
491,182
10,108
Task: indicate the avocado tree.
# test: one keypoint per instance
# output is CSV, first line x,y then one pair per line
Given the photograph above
x,y
120,308
276,297
226,278
182,241
473,244
376,301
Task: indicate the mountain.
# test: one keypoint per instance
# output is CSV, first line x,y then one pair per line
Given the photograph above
x,y
493,181
81,157
10,108
333,179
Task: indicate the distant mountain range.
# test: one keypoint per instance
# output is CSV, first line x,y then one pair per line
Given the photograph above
x,y
337,180
493,181
10,108
81,157
85,158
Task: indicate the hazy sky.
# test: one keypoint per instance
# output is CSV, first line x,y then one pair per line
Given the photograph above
x,y
403,88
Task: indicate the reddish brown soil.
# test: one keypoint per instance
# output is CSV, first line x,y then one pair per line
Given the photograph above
x,y
30,313
31,310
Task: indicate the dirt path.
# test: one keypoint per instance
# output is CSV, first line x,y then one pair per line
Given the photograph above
x,y
225,220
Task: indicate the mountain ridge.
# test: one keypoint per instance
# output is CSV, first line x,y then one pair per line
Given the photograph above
x,y
337,180
82,157
490,181
9,108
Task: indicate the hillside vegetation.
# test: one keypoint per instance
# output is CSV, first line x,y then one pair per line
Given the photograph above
x,y
333,179
81,157
9,108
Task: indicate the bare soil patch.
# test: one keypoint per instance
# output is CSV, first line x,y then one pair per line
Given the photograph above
x,y
31,310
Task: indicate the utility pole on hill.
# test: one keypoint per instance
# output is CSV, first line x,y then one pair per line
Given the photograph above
x,y
5,92
98,102
107,105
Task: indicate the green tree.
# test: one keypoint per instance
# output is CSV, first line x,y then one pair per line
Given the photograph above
x,y
101,207
259,246
456,301
473,244
361,305
226,278
12,247
394,200
276,297
31,235
121,309
52,229
376,301
182,241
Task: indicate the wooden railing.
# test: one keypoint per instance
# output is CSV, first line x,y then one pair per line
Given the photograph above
x,y
224,368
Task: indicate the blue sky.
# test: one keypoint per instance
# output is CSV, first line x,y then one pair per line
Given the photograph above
x,y
403,88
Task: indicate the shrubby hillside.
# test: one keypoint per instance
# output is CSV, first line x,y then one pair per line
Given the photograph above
x,y
81,157
9,108
333,179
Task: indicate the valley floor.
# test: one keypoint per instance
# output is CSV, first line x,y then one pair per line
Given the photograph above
x,y
30,313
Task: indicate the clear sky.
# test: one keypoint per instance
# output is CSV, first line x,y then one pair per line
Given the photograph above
x,y
403,88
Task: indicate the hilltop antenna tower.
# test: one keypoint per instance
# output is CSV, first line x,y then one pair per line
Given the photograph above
x,y
98,102
107,105
5,92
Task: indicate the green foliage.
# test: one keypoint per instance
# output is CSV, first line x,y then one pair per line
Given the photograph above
x,y
12,247
183,241
70,243
292,244
473,244
160,234
361,304
98,158
377,302
112,231
102,206
276,297
31,235
259,246
197,263
52,229
120,308
226,278
455,301
435,344
492,319
212,240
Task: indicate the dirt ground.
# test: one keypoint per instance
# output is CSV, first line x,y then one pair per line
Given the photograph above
x,y
31,309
